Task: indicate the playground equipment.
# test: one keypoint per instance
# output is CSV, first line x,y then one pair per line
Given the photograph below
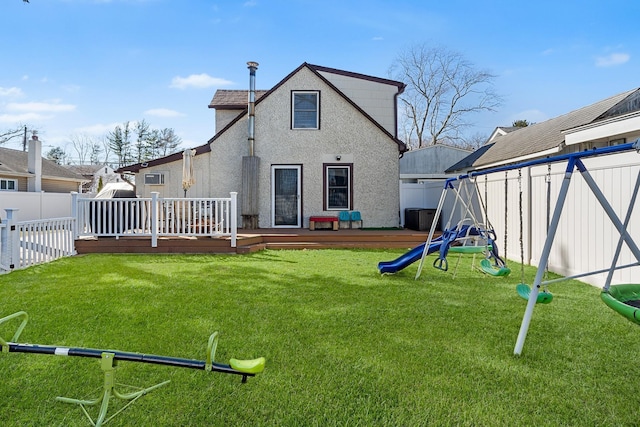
x,y
621,298
478,236
108,364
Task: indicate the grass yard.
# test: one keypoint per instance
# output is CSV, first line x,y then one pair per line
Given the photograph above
x,y
344,345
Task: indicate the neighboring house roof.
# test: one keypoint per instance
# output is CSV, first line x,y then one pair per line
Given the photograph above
x,y
15,162
547,136
231,100
87,170
467,163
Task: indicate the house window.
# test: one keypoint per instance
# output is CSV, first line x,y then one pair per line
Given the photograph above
x,y
338,187
8,184
305,110
154,179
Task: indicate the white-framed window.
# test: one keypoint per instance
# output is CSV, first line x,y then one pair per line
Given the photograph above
x,y
154,179
305,110
8,184
338,185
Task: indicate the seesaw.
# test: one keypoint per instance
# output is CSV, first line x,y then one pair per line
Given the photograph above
x,y
110,358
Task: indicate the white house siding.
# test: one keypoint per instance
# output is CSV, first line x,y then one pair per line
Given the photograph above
x,y
344,131
374,98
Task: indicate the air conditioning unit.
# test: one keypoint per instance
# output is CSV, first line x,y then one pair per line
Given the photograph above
x,y
154,179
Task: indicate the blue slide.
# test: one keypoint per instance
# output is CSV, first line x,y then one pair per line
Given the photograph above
x,y
409,258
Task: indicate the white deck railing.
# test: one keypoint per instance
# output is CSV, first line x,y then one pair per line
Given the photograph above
x,y
154,217
27,243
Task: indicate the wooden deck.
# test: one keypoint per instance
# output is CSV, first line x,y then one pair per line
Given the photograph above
x,y
256,240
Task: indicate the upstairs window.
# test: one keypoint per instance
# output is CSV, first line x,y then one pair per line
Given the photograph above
x,y
8,184
305,110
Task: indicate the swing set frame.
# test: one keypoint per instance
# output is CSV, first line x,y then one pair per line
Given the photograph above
x,y
573,162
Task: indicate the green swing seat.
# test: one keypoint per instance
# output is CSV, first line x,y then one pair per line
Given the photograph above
x,y
488,268
624,300
524,291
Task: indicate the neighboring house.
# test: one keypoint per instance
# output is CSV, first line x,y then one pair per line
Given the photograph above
x,y
429,162
96,176
28,171
325,141
608,122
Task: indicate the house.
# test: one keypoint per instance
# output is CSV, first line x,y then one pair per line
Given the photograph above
x,y
28,172
320,141
96,176
608,122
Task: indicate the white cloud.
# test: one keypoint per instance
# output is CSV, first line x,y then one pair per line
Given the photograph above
x,y
163,112
199,81
10,91
612,59
41,107
377,38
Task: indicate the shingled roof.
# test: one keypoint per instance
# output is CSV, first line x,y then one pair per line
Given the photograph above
x,y
232,99
547,135
16,162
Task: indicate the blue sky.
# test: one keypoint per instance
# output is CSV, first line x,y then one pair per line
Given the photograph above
x,y
72,67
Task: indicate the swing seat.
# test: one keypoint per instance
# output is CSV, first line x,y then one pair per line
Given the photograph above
x,y
624,300
488,268
253,366
524,291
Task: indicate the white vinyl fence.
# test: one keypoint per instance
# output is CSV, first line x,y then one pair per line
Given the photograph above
x,y
586,239
153,217
27,243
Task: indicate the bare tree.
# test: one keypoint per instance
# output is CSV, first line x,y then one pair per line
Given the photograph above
x,y
443,90
19,131
83,145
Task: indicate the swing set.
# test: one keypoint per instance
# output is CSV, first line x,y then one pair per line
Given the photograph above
x,y
624,299
473,234
108,364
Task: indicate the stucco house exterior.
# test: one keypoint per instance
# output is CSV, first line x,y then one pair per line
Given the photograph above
x,y
324,140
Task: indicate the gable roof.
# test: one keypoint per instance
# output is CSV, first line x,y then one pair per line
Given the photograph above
x,y
237,99
16,163
545,136
316,70
466,163
225,99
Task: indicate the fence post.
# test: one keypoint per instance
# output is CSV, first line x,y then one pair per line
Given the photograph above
x,y
74,213
154,219
234,218
11,240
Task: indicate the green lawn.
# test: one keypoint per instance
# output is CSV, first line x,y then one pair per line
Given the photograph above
x,y
344,345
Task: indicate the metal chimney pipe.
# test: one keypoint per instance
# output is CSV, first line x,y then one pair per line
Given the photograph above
x,y
253,66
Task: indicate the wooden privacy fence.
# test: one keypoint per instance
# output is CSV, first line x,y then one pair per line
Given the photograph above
x,y
27,243
155,216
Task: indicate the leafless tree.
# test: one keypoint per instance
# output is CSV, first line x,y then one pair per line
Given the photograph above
x,y
9,134
83,145
443,90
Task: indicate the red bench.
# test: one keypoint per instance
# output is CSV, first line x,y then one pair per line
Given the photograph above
x,y
314,219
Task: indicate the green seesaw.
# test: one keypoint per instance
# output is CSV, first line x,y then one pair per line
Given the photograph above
x,y
109,360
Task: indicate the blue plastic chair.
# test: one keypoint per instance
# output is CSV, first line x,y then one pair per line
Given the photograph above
x,y
356,217
343,216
